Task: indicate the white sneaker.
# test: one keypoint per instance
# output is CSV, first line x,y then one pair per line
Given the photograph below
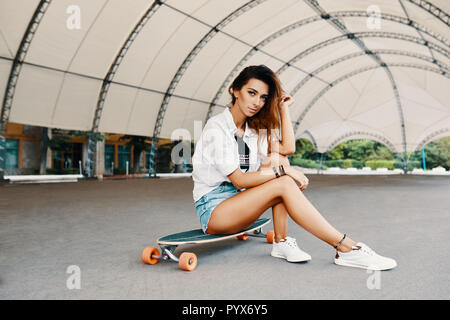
x,y
288,249
363,257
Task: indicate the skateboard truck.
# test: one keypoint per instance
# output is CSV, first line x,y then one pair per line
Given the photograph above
x,y
167,253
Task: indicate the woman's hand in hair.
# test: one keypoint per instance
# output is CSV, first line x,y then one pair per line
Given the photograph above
x,y
286,100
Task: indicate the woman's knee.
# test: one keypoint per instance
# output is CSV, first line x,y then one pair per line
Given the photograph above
x,y
285,183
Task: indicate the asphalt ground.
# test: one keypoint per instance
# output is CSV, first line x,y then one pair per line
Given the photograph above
x,y
84,241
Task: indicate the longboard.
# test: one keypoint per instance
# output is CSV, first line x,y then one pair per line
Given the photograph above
x,y
188,260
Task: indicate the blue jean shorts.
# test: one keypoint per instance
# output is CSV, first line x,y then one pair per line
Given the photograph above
x,y
206,204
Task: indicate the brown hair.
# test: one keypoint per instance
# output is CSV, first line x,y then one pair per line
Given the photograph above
x,y
268,118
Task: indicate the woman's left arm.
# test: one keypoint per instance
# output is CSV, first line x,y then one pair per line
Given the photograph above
x,y
287,145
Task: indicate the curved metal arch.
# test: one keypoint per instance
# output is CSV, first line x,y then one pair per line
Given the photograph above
x,y
306,21
181,70
356,72
118,60
332,63
21,53
313,140
433,10
359,35
431,137
374,136
108,79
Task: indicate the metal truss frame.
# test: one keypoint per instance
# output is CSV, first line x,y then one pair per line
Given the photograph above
x,y
301,23
356,72
372,135
431,137
42,8
16,67
443,67
21,53
108,79
180,72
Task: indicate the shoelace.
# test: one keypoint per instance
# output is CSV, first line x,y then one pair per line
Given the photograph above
x,y
365,249
290,242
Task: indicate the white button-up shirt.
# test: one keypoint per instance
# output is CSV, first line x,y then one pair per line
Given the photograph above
x,y
216,153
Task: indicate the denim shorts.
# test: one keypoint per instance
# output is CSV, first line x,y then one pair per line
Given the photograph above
x,y
206,204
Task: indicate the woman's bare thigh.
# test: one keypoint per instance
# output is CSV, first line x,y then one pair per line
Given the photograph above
x,y
240,211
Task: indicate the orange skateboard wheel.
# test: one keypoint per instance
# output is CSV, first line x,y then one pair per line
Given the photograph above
x,y
187,261
147,255
270,235
242,237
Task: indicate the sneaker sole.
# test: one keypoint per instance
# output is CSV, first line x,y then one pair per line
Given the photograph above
x,y
344,263
283,257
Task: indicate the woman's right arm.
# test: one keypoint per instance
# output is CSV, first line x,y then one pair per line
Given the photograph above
x,y
252,179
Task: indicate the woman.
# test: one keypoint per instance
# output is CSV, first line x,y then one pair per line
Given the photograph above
x,y
240,170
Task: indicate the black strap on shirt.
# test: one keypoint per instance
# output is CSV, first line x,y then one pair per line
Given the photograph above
x,y
244,154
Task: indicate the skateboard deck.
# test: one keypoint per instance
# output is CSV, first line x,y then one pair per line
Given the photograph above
x,y
188,260
197,236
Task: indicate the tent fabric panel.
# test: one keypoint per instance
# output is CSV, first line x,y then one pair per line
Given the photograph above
x,y
220,49
382,115
106,36
36,93
333,73
76,104
283,14
142,117
304,96
5,67
322,56
5,51
392,7
147,45
249,25
211,80
170,56
14,18
56,43
208,11
182,115
343,104
117,108
300,39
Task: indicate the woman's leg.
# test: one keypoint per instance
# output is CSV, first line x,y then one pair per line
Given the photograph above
x,y
280,215
229,216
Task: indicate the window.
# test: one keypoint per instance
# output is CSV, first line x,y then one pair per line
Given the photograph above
x,y
109,156
124,156
12,154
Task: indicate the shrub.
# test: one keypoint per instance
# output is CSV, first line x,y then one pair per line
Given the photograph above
x,y
375,164
304,163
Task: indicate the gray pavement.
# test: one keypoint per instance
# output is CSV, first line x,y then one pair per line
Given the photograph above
x,y
102,227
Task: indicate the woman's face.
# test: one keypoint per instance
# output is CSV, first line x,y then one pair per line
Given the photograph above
x,y
252,97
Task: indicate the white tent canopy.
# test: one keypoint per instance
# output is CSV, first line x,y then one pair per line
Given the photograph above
x,y
357,69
